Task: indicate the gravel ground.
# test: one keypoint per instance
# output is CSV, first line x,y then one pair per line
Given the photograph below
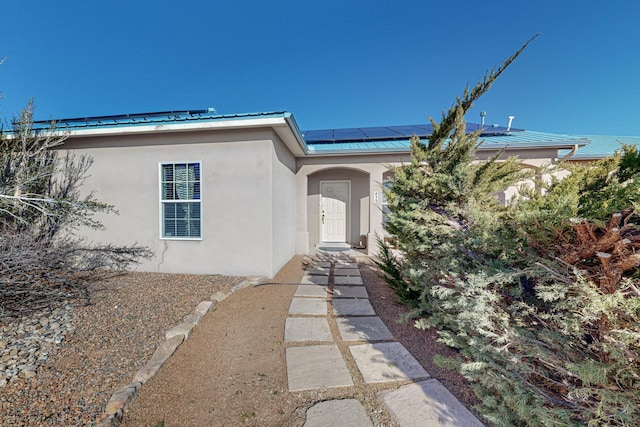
x,y
229,372
113,338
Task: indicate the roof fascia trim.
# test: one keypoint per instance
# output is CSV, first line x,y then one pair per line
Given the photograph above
x,y
497,146
177,127
297,134
292,138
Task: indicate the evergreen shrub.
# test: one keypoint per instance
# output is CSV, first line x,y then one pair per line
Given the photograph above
x,y
541,297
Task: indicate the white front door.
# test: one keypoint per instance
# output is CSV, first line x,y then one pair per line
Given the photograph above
x,y
334,207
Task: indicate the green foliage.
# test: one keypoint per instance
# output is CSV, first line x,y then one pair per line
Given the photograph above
x,y
437,202
390,266
541,343
591,191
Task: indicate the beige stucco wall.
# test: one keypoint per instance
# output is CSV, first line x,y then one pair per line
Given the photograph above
x,y
532,159
366,173
260,204
358,210
283,216
248,189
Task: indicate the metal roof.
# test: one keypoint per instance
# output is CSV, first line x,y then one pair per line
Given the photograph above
x,y
381,139
389,133
140,119
602,146
520,139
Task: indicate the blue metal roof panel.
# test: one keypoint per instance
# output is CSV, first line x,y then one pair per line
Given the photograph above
x,y
602,146
354,140
530,139
520,139
366,147
141,119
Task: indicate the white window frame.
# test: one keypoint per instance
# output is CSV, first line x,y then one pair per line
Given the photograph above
x,y
164,201
384,203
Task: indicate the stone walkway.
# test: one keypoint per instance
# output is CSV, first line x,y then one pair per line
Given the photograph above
x,y
333,289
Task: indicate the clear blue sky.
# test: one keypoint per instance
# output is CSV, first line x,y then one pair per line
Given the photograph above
x,y
333,63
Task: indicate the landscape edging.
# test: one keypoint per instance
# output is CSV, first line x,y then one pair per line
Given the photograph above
x,y
122,398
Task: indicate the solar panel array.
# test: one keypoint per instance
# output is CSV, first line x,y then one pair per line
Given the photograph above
x,y
146,118
389,133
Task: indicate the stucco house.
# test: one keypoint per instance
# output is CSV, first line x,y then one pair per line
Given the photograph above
x,y
241,194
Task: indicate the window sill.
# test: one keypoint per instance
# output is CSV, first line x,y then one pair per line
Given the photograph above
x,y
182,238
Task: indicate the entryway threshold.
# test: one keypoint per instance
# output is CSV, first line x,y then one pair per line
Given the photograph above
x,y
334,246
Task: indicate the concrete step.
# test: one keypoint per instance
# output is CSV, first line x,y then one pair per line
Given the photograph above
x,y
337,413
316,366
388,361
428,404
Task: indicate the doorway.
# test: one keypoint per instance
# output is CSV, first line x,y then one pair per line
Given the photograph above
x,y
334,210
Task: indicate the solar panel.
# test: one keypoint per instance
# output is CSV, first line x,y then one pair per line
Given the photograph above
x,y
319,135
410,130
380,133
351,134
142,118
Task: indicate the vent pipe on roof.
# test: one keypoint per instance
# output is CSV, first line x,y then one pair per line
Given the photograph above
x,y
510,120
483,114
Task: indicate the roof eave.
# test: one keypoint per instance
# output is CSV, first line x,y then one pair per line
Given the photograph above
x,y
293,138
284,126
560,145
175,127
357,152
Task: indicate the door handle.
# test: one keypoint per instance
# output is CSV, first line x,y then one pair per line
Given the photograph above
x,y
323,217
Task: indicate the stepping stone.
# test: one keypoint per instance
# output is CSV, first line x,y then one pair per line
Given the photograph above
x,y
428,404
346,272
319,264
344,412
320,271
352,307
347,280
343,265
311,291
302,329
309,306
363,329
386,361
316,366
350,292
318,280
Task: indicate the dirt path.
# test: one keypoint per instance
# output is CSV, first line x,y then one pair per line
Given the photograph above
x,y
231,370
232,374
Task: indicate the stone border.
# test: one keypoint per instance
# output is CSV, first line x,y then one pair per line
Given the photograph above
x,y
122,398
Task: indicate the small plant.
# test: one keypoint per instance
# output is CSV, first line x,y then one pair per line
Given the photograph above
x,y
246,416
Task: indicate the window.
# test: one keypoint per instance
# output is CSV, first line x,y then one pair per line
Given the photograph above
x,y
180,200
